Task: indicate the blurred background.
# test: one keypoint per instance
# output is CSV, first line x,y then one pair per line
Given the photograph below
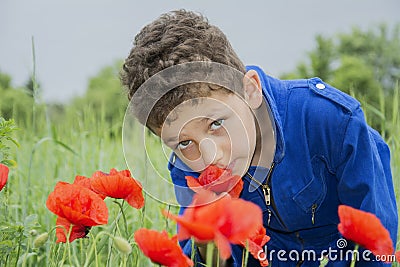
x,y
62,106
75,39
69,52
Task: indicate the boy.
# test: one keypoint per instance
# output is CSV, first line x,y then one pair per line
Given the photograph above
x,y
302,147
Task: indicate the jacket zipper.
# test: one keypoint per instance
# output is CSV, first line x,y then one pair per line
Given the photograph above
x,y
313,209
269,200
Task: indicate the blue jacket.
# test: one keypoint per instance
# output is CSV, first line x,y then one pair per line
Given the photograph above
x,y
326,155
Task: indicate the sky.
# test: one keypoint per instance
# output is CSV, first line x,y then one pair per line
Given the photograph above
x,y
74,39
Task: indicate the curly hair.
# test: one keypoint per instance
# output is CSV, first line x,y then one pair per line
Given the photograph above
x,y
174,38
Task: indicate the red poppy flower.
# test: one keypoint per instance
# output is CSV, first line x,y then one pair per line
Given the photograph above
x,y
3,175
119,184
216,180
255,244
77,204
220,220
77,231
365,229
161,249
398,256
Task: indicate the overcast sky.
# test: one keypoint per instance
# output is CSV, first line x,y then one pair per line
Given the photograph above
x,y
75,39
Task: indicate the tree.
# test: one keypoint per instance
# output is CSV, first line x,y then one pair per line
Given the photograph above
x,y
378,48
5,81
105,95
353,74
365,64
14,102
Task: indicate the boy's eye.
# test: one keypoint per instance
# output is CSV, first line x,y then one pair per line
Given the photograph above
x,y
184,144
215,125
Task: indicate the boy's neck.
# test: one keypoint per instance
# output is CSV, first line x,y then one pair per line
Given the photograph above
x,y
265,141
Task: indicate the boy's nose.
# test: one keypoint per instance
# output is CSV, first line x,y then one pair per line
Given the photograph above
x,y
209,151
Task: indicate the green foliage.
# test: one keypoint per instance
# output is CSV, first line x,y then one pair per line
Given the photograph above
x,y
5,81
378,48
7,127
322,57
353,75
14,102
104,95
365,64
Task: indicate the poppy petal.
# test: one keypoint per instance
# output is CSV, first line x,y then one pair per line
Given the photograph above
x,y
211,173
119,185
218,219
86,182
255,245
192,182
237,189
216,180
223,246
77,231
135,199
239,227
3,175
224,183
77,204
254,250
161,249
187,228
365,229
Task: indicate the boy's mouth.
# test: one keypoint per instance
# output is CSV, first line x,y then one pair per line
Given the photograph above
x,y
230,166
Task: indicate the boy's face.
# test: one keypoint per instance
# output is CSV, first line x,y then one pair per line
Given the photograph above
x,y
219,130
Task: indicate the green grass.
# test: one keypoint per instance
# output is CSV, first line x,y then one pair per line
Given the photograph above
x,y
81,143
78,145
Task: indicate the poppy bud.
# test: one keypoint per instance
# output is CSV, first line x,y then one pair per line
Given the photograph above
x,y
33,232
40,240
122,245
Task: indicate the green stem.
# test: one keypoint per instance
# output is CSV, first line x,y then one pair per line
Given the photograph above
x,y
81,249
218,261
63,257
124,260
121,207
192,256
19,247
210,252
95,255
67,244
353,260
246,258
245,254
92,248
27,251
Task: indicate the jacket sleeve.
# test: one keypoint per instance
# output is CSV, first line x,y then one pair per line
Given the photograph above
x,y
364,174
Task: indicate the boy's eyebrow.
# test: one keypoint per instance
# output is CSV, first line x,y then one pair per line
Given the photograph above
x,y
203,119
172,139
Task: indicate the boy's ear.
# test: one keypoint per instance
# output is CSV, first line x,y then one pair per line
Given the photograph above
x,y
252,89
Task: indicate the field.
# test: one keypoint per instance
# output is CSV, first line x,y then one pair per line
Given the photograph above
x,y
56,149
